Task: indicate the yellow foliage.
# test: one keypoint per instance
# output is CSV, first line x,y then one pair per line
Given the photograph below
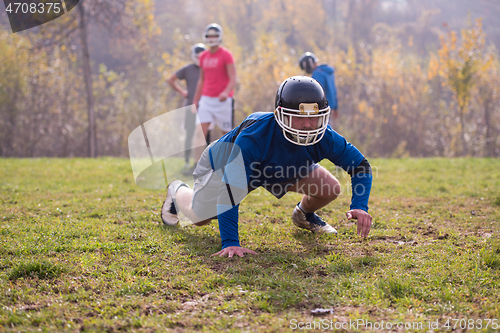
x,y
370,113
260,74
387,93
453,41
461,64
433,68
362,106
394,109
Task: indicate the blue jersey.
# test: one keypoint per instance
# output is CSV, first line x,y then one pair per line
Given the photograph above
x,y
269,158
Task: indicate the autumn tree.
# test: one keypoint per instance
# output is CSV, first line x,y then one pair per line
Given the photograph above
x,y
12,87
461,66
488,98
124,19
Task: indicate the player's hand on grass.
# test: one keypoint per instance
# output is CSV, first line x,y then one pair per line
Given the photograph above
x,y
230,251
364,221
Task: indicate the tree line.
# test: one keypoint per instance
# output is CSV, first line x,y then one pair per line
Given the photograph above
x,y
406,88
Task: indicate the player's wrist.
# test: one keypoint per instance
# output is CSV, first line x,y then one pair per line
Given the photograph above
x,y
231,244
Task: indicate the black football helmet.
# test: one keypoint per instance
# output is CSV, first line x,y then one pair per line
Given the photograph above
x,y
307,61
298,97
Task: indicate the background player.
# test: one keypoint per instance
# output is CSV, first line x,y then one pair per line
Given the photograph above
x,y
324,74
215,89
190,74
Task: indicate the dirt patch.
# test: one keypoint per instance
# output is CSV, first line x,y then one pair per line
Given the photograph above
x,y
445,236
189,305
153,310
218,266
399,241
484,235
121,222
31,307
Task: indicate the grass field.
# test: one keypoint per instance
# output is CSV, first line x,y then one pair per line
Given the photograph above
x,y
82,249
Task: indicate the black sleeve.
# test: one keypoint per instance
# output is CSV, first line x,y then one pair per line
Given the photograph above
x,y
363,167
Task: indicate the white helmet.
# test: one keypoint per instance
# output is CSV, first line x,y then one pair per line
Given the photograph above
x,y
307,61
300,97
196,49
212,35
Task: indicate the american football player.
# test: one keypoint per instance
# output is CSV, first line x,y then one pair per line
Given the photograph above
x,y
190,74
215,89
278,151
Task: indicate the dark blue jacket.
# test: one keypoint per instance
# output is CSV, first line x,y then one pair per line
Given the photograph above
x,y
324,74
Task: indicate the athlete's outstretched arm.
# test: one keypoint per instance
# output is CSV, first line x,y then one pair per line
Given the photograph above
x,y
229,164
351,160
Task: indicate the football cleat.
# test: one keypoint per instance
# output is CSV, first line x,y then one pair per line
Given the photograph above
x,y
311,222
169,214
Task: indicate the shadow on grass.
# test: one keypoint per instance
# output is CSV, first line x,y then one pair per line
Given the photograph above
x,y
203,244
281,278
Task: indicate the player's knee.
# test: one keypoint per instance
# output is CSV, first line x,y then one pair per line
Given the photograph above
x,y
328,189
333,190
330,186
